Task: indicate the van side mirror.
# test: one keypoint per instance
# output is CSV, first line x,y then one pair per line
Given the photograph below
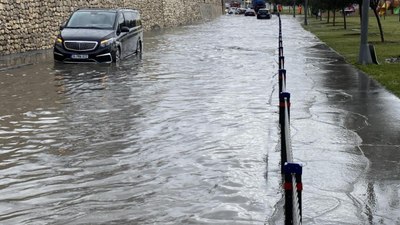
x,y
62,27
124,29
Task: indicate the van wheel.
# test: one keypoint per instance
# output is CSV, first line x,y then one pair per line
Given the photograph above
x,y
117,55
139,47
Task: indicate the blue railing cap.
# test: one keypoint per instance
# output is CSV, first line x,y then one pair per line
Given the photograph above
x,y
283,95
295,168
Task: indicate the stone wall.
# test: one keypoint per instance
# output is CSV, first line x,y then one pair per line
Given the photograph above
x,y
27,25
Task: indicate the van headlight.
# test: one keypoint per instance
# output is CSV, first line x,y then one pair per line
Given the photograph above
x,y
105,43
59,41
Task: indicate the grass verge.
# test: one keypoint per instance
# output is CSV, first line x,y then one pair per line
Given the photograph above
x,y
347,43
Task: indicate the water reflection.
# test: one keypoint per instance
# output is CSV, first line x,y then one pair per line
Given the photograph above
x,y
97,108
372,113
371,203
15,61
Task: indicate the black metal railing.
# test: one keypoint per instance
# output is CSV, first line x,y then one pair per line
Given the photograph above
x,y
291,171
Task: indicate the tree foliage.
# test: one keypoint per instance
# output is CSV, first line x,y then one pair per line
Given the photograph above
x,y
336,5
288,2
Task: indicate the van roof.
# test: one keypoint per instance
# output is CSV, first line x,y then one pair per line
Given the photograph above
x,y
107,9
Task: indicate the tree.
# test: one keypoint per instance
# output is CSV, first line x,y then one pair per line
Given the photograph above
x,y
343,4
374,5
330,6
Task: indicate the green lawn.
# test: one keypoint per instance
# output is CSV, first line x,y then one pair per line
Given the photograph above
x,y
347,43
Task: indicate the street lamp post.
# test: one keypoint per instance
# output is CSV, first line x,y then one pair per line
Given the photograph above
x,y
365,54
294,8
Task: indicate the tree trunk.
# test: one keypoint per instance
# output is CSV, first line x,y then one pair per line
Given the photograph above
x,y
344,19
334,17
329,16
379,25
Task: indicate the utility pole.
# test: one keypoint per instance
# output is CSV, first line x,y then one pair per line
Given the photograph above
x,y
365,54
305,12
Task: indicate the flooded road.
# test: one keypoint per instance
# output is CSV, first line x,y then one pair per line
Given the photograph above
x,y
188,133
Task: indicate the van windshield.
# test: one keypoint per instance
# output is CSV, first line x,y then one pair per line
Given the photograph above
x,y
92,20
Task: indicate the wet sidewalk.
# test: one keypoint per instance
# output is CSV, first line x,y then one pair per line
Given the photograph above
x,y
345,130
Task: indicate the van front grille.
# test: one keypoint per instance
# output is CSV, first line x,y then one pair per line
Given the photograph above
x,y
80,45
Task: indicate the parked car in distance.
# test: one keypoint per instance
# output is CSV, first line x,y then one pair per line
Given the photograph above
x,y
99,35
263,14
241,10
250,12
232,10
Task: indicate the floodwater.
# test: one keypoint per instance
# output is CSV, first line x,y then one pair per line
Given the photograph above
x,y
188,133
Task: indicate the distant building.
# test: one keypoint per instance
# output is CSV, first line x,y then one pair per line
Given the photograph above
x,y
234,3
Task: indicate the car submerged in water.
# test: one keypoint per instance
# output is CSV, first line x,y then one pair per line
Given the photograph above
x,y
263,14
99,35
250,12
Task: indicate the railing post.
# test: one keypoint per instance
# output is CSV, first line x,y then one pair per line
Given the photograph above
x,y
284,104
299,185
282,80
281,62
280,22
287,186
297,170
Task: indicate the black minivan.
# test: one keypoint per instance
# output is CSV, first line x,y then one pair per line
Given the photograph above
x,y
99,35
